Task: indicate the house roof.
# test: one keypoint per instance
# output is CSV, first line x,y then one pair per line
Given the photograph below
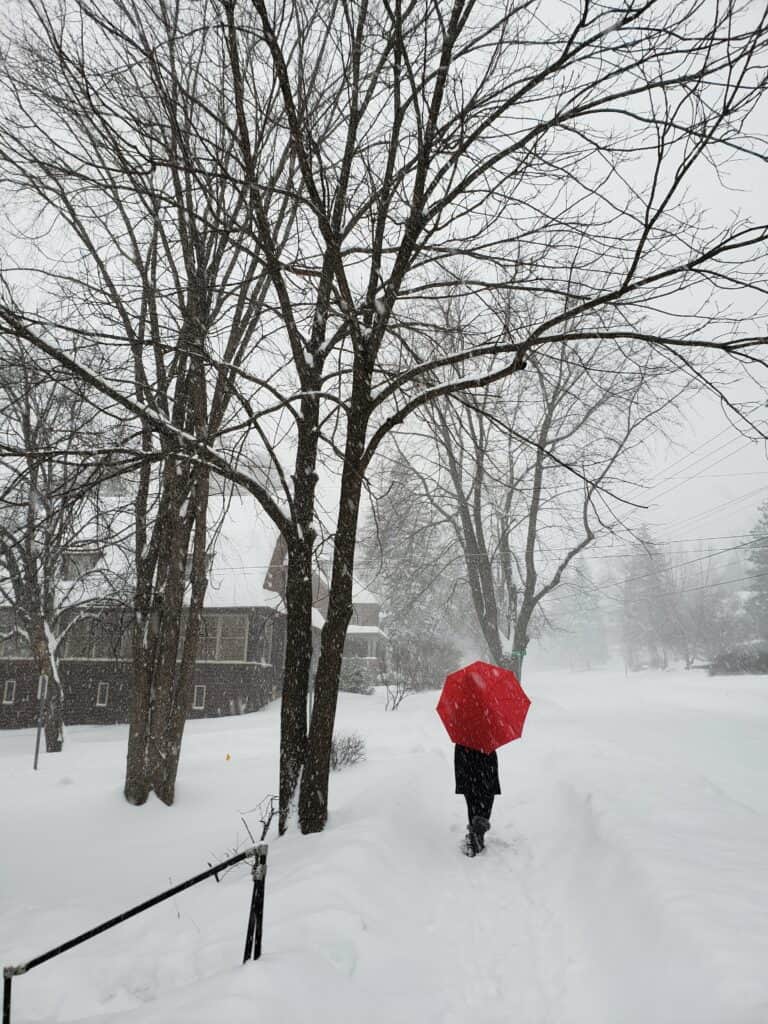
x,y
243,547
361,595
352,629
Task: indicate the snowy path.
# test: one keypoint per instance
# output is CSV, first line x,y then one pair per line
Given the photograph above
x,y
624,879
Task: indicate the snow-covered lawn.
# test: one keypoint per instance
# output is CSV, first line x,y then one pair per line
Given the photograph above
x,y
625,880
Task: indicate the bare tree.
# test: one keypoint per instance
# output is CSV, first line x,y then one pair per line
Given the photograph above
x,y
519,481
687,608
408,556
757,604
118,138
531,486
54,525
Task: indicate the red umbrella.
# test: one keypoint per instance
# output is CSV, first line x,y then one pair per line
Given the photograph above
x,y
483,706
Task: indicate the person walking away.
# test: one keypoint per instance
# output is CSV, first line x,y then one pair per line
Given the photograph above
x,y
477,779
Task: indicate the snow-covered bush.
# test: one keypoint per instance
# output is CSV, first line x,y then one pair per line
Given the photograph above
x,y
346,750
745,660
355,677
397,686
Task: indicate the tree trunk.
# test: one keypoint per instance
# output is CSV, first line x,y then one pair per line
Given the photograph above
x,y
54,717
47,665
166,666
168,689
137,782
144,636
296,671
299,600
162,679
313,796
168,728
520,642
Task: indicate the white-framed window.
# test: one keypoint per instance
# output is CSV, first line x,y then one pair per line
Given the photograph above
x,y
266,643
198,698
9,691
102,695
101,637
223,637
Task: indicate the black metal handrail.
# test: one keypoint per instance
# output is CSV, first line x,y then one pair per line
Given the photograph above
x,y
252,937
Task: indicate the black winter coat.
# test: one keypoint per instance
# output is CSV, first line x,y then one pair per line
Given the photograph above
x,y
477,774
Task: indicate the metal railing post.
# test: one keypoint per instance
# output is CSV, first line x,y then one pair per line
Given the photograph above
x,y
256,913
8,975
253,942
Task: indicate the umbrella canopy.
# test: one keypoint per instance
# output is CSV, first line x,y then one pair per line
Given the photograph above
x,y
483,706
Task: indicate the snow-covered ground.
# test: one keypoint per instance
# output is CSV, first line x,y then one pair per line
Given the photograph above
x,y
625,880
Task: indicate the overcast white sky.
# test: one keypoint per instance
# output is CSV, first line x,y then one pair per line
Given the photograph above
x,y
711,481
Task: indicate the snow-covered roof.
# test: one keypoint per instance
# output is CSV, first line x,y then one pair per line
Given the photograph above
x,y
365,630
243,548
361,595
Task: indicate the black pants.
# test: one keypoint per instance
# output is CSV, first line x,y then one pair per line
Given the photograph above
x,y
478,806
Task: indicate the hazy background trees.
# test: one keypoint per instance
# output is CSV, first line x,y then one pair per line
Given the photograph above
x,y
757,585
509,487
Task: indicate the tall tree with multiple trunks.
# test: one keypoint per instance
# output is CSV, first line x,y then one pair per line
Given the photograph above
x,y
433,148
117,136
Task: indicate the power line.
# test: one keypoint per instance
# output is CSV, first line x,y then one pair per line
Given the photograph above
x,y
684,590
688,454
698,476
708,586
720,476
680,565
716,508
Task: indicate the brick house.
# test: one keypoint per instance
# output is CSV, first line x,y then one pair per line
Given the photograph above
x,y
242,638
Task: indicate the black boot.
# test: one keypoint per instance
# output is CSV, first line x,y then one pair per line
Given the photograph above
x,y
471,847
479,827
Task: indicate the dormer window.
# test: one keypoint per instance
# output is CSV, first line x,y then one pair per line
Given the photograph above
x,y
12,643
78,563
